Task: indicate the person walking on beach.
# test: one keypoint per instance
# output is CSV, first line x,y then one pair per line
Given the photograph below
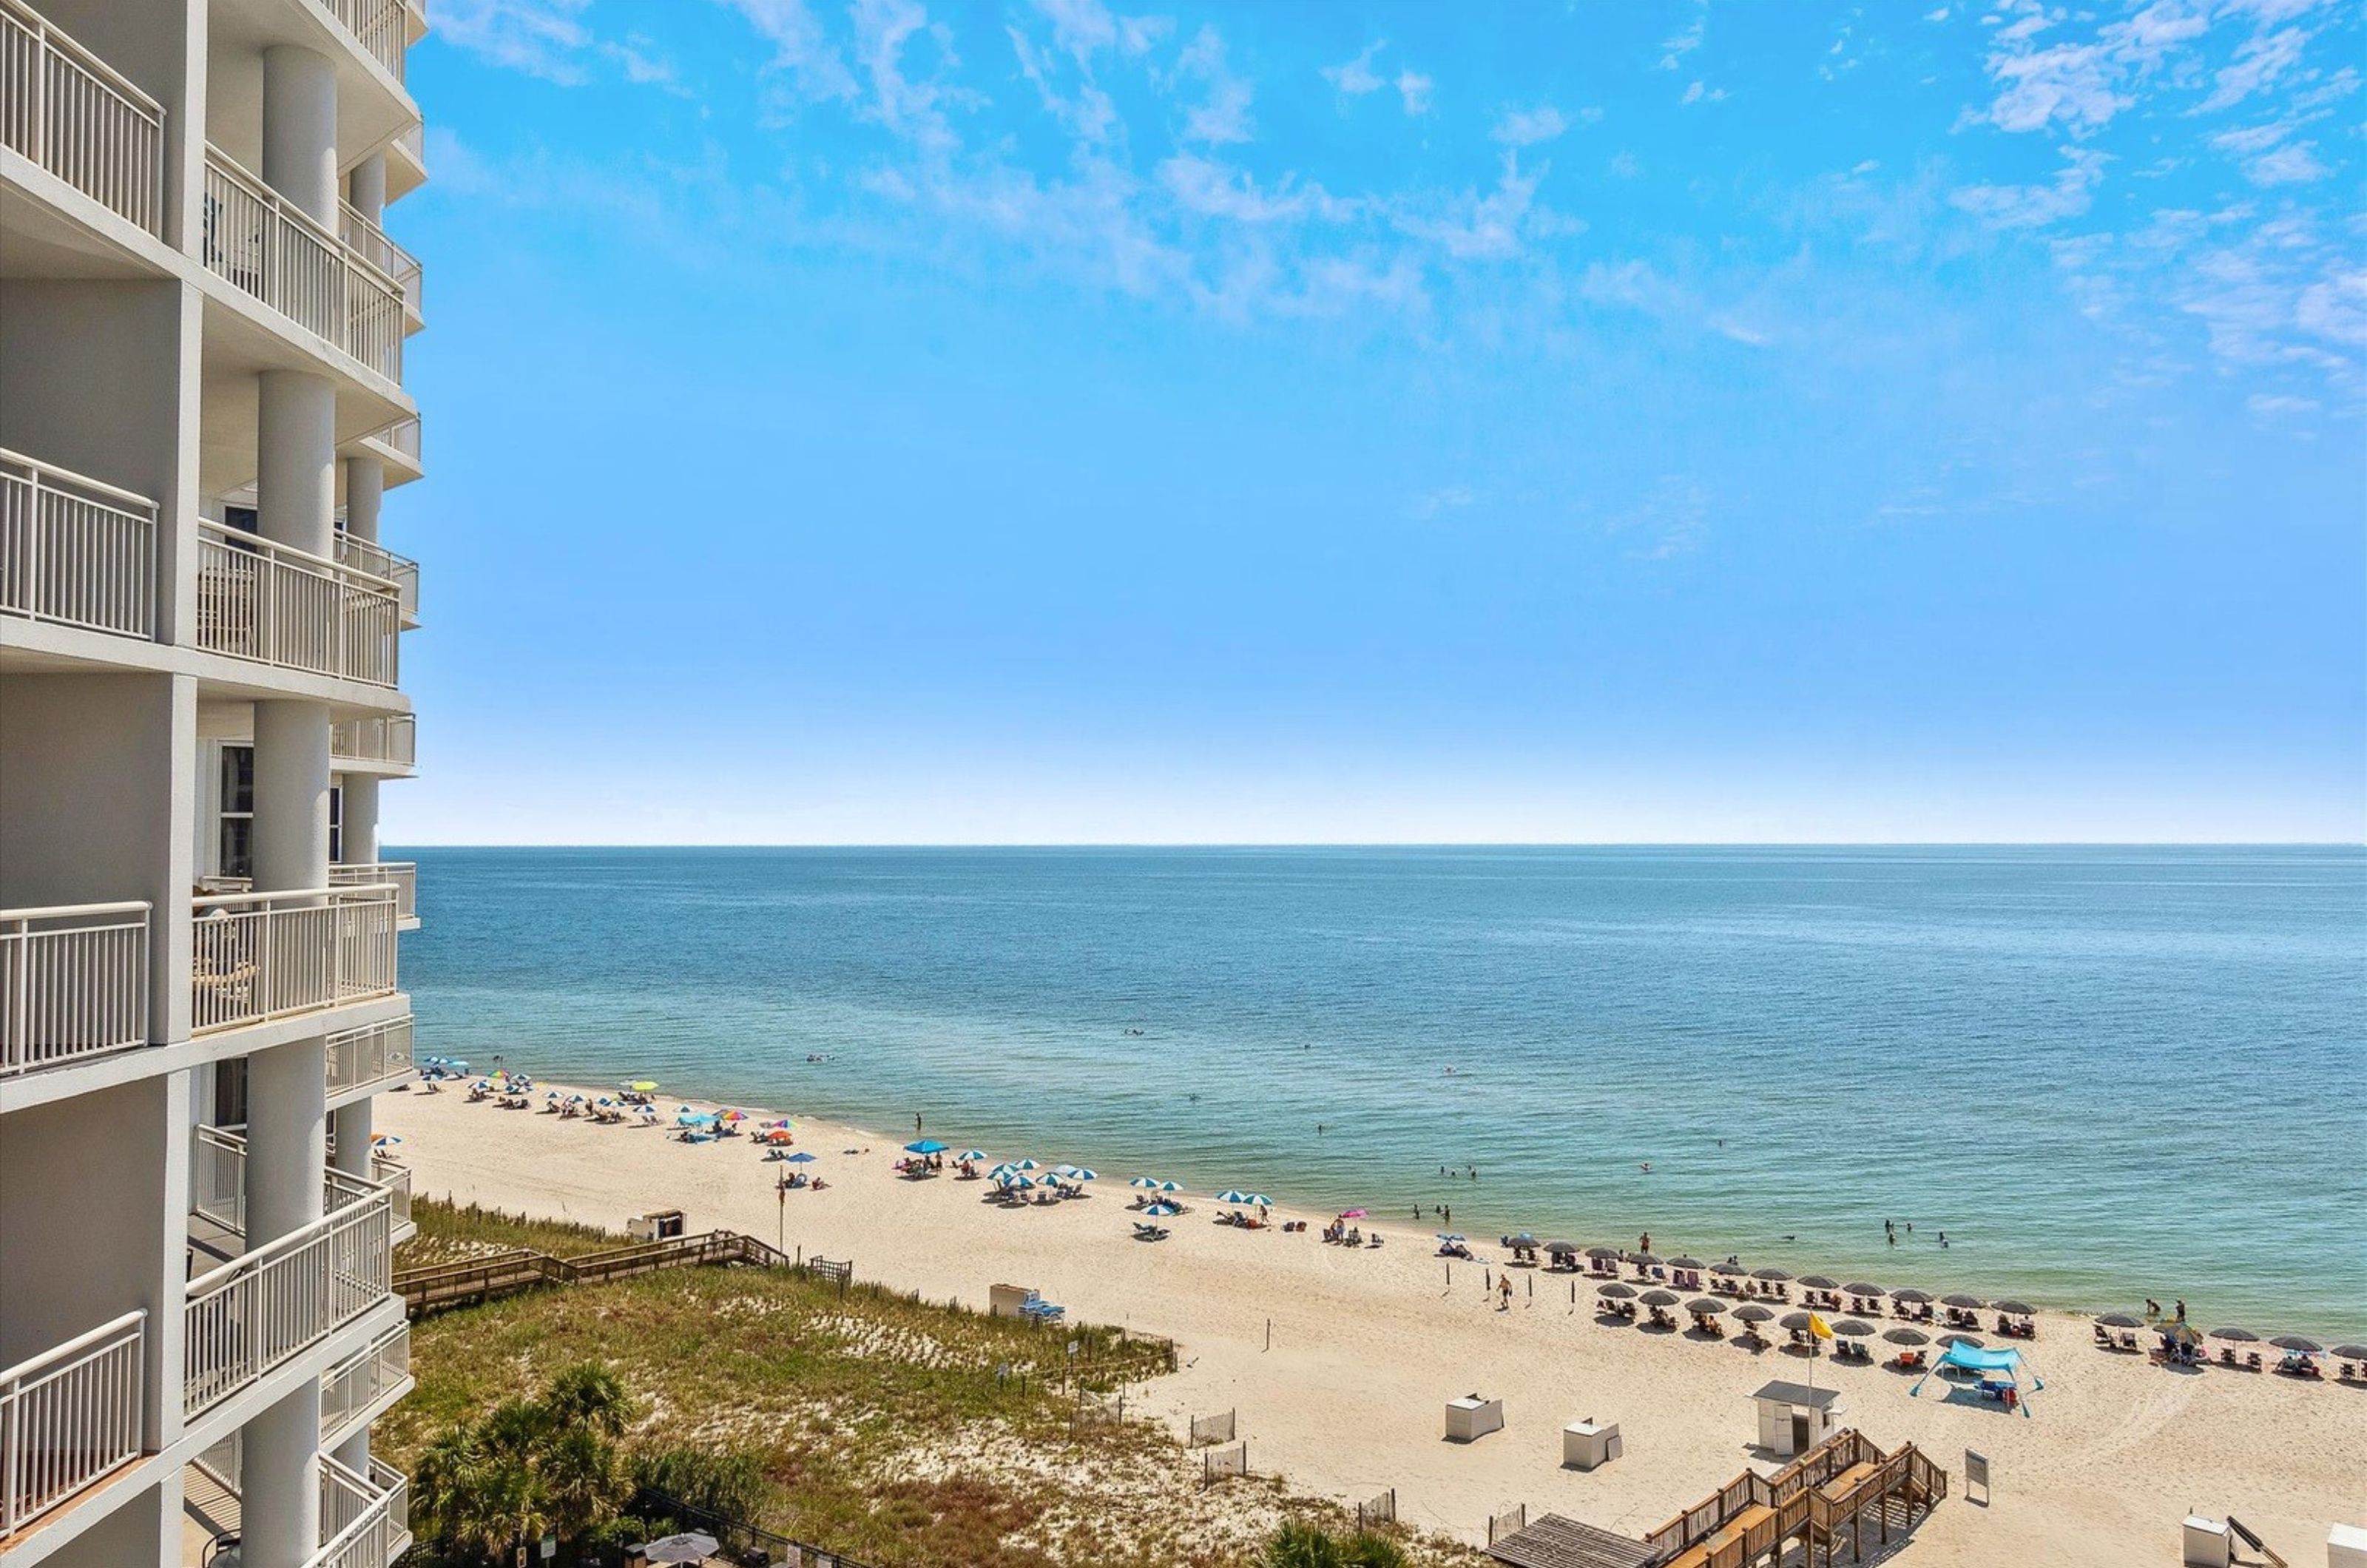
x,y
1503,1292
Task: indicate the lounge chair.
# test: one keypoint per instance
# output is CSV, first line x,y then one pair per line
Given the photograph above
x,y
1144,1231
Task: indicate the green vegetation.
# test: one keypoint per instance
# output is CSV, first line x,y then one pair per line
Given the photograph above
x,y
1299,1544
902,1433
451,1232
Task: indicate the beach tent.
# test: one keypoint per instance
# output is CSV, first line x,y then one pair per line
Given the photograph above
x,y
925,1146
1992,1367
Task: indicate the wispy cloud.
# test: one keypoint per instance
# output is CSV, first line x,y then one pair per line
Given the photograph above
x,y
1526,127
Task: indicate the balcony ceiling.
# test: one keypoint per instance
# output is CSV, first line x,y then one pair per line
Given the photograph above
x,y
238,346
367,113
37,241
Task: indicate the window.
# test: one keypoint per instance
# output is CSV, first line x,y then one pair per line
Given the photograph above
x,y
236,845
337,824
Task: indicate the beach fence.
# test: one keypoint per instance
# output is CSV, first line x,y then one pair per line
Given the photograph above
x,y
1098,1409
1378,1511
747,1542
1512,1521
1213,1428
841,1273
1223,1465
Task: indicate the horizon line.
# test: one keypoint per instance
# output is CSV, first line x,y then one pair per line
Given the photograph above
x,y
1418,844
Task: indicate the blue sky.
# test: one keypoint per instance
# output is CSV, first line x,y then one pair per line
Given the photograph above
x,y
1052,422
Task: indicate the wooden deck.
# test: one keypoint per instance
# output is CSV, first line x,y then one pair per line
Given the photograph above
x,y
506,1273
1813,1502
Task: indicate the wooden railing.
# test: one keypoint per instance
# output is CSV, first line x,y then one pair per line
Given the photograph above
x,y
272,249
70,112
70,1417
75,551
523,1268
1752,1515
74,983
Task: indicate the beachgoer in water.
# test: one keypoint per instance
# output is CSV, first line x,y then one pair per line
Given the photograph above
x,y
1448,1212
2181,1309
1643,1242
2153,1308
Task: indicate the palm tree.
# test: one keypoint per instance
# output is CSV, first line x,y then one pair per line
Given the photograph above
x,y
1301,1545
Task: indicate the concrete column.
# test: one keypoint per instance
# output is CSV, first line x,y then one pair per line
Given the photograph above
x,y
359,828
291,795
287,1138
354,1453
365,187
279,1486
295,460
364,489
300,128
353,1156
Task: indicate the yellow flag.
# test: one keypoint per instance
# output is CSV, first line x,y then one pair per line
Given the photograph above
x,y
1818,1327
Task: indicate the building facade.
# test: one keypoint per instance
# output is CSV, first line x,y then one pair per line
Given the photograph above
x,y
202,409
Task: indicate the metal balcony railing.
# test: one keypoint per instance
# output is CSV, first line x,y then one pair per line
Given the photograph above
x,y
75,551
74,983
377,1053
402,876
218,1183
279,605
360,235
380,25
275,251
353,1385
365,1520
378,561
75,115
264,1307
395,1179
263,955
392,740
71,1416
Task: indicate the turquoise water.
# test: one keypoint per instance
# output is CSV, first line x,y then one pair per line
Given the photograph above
x,y
2105,1073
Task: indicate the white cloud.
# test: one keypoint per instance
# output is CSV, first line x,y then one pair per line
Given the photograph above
x,y
1701,91
1356,77
2296,164
1526,127
1224,116
1489,227
1676,46
2267,405
2032,207
1414,89
1215,190
2259,62
799,47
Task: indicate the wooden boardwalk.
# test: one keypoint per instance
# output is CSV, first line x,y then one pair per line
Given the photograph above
x,y
1844,1487
506,1273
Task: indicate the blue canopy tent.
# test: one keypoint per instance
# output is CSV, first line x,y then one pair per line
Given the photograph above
x,y
2000,1372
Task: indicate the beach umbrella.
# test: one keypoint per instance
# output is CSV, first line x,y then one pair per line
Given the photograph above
x,y
1962,1301
1080,1173
971,1156
1561,1248
1911,1296
2015,1309
1615,1291
1259,1200
1706,1307
1351,1213
2236,1336
1817,1282
691,1548
1025,1164
551,1094
2120,1320
1450,1236
1686,1263
1864,1290
924,1146
1769,1274
1161,1210
1751,1311
1171,1187
1523,1239
386,1140
1145,1181
1906,1336
800,1157
1658,1298
2351,1352
1796,1321
2295,1342
1967,1341
1851,1328
1643,1260
643,1086
1610,1252
1232,1195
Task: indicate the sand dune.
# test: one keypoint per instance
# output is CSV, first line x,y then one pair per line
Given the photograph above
x,y
1340,1362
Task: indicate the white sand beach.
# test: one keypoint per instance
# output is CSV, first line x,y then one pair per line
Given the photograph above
x,y
1340,1362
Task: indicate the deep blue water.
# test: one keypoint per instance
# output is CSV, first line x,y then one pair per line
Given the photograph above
x,y
2105,1073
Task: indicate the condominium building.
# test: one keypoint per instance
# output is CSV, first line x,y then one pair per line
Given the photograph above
x,y
202,324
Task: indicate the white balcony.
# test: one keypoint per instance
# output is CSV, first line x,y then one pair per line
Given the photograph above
x,y
394,1179
388,743
70,1417
378,561
402,876
274,250
286,607
362,1061
75,551
365,1520
381,26
356,1389
256,957
267,1306
67,110
360,235
74,983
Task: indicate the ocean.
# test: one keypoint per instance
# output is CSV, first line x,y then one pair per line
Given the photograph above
x,y
2102,1074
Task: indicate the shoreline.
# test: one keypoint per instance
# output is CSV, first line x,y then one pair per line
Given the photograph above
x,y
1338,1360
